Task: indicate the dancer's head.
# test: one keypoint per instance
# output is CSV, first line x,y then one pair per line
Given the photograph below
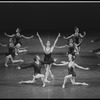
x,y
37,58
48,43
71,41
71,44
18,45
11,44
76,30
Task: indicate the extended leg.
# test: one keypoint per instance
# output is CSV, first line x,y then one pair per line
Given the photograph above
x,y
77,83
65,80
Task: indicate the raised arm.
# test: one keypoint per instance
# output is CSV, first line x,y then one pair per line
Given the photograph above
x,y
52,48
41,41
9,35
61,46
68,36
83,35
4,45
27,37
81,67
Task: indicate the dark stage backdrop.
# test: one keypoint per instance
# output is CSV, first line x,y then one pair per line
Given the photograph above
x,y
49,17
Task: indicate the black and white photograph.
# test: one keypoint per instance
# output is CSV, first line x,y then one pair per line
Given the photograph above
x,y
49,49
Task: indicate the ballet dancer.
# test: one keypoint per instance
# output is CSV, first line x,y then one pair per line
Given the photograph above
x,y
72,49
77,38
47,56
17,39
71,73
36,64
11,53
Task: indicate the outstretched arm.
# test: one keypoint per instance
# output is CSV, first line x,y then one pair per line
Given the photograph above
x,y
41,41
68,36
61,46
81,67
4,45
52,48
27,37
63,64
9,35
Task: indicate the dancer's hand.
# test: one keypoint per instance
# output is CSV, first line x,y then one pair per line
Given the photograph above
x,y
21,60
18,67
5,33
87,68
64,37
84,33
59,35
37,34
32,36
92,41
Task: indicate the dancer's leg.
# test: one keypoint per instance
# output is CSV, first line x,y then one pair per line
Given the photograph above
x,y
52,76
65,80
15,61
29,81
6,60
77,83
47,73
22,50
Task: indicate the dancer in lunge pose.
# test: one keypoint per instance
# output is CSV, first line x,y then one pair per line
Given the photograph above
x,y
36,64
11,53
71,73
77,38
47,56
17,39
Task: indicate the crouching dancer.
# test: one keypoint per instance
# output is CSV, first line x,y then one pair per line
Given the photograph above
x,y
71,73
36,64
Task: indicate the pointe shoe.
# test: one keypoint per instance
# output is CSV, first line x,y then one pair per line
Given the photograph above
x,y
43,85
18,67
47,81
63,86
84,83
21,60
6,65
52,76
20,82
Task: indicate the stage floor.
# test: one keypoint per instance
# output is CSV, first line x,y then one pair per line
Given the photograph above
x,y
9,78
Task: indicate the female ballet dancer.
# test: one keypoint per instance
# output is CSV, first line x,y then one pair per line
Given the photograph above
x,y
47,56
36,64
71,73
77,38
11,53
17,39
72,50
